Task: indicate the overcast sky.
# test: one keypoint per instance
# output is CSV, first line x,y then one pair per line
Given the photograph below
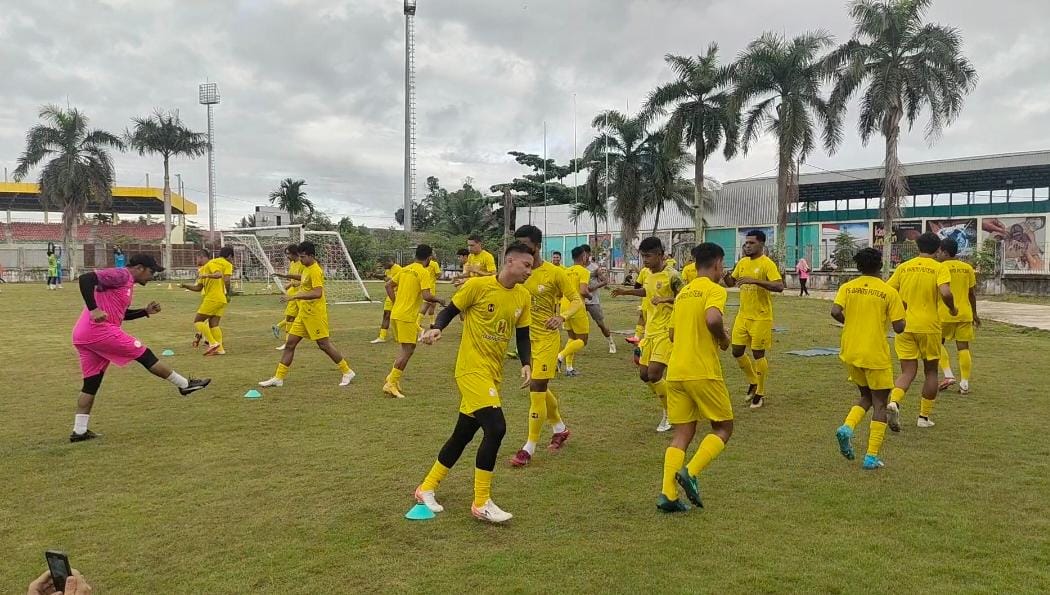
x,y
313,89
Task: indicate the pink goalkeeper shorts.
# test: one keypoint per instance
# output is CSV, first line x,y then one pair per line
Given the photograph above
x,y
119,348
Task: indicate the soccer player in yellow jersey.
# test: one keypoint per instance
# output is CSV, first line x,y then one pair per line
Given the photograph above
x,y
643,308
409,290
429,308
578,326
689,272
494,308
480,262
661,286
556,258
203,256
311,320
695,387
547,284
291,309
958,328
866,306
390,270
758,277
922,282
215,291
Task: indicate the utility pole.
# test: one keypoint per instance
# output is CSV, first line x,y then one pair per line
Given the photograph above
x,y
410,111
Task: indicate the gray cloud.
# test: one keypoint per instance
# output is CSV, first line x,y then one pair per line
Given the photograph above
x,y
313,88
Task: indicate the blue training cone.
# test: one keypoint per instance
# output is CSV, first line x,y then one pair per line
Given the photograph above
x,y
253,394
419,512
167,352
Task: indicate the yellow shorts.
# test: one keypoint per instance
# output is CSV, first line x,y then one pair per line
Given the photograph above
x,y
477,391
405,332
756,334
212,308
957,331
545,350
314,327
916,346
873,379
696,400
578,323
291,309
655,349
388,305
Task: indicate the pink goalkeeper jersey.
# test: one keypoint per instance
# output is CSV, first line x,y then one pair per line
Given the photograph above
x,y
113,295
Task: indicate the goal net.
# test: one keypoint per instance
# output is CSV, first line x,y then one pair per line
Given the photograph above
x,y
259,253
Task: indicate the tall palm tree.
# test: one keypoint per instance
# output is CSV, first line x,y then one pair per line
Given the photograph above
x,y
592,205
783,79
664,160
291,197
908,66
164,134
78,172
703,114
615,157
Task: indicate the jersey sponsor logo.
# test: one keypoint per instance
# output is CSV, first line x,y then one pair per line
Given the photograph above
x,y
501,327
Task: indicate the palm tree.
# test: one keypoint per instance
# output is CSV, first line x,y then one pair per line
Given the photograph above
x,y
291,197
615,158
163,134
783,79
664,160
592,205
703,116
79,170
907,66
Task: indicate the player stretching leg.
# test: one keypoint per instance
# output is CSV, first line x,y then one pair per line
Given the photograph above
x,y
494,308
99,340
866,306
311,321
696,389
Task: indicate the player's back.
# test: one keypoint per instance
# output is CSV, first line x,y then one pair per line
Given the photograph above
x,y
689,273
917,281
694,351
964,278
869,305
410,280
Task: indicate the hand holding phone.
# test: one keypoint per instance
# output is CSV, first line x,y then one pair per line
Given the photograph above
x,y
58,566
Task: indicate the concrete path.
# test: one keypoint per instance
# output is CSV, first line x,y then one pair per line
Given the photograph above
x,y
1029,315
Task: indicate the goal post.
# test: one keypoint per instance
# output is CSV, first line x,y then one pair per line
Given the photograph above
x,y
259,253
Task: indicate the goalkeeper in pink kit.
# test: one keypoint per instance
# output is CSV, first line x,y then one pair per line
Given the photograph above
x,y
100,340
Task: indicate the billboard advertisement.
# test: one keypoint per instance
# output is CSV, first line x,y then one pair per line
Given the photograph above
x,y
1023,241
963,231
858,231
902,231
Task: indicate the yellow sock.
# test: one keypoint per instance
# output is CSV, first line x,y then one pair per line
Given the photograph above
x,y
926,407
394,377
282,372
762,371
537,414
382,333
674,458
553,413
431,320
217,333
433,479
965,364
748,368
571,349
897,395
482,486
639,330
946,362
710,447
205,331
856,413
659,388
344,366
875,437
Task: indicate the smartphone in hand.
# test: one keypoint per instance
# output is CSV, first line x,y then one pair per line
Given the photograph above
x,y
58,566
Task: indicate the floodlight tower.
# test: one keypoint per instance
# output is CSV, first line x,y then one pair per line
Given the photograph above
x,y
209,96
410,110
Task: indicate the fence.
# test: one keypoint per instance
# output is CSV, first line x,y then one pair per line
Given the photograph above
x,y
28,264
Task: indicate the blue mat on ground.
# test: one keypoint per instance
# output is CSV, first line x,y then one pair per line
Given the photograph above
x,y
779,329
816,351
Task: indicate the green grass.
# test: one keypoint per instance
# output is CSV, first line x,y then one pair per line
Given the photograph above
x,y
304,490
1040,300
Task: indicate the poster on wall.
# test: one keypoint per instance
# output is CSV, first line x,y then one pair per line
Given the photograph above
x,y
742,233
902,231
600,246
963,231
1023,241
682,243
617,253
858,231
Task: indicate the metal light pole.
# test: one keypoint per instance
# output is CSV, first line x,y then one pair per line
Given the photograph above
x,y
410,110
209,96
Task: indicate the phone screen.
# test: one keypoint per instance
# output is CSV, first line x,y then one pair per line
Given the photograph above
x,y
58,566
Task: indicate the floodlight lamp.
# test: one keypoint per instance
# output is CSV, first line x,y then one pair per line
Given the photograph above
x,y
209,93
410,7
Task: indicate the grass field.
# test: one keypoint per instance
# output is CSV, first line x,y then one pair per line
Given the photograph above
x,y
304,490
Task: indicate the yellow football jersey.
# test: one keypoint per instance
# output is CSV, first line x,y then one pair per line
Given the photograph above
x,y
547,284
666,283
694,351
435,273
918,281
756,303
689,273
294,268
491,314
482,262
411,281
215,289
869,305
640,280
963,280
392,272
578,275
313,277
